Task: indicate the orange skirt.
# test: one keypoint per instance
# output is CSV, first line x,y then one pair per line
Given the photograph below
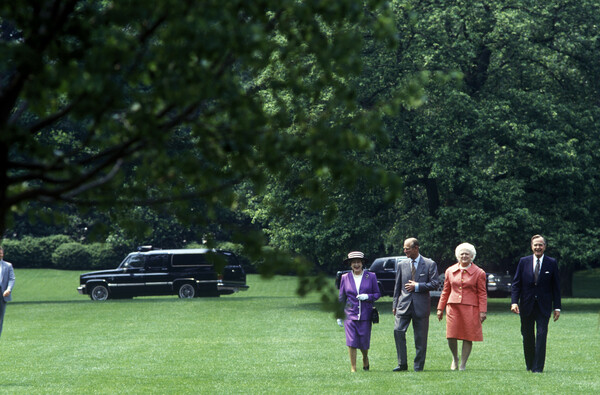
x,y
463,323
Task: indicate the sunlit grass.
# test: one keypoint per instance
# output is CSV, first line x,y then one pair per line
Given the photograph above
x,y
265,340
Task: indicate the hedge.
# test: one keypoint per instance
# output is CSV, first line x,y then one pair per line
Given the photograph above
x,y
72,256
61,252
33,252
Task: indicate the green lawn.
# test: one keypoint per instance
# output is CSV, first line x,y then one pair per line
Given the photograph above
x,y
265,340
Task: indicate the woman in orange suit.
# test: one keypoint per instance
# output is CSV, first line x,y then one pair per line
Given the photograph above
x,y
465,299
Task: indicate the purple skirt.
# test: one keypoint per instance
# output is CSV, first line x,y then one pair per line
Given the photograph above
x,y
358,334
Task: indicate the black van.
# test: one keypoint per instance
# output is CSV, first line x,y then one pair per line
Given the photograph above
x,y
188,273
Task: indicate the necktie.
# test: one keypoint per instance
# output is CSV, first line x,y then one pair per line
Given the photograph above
x,y
413,270
537,270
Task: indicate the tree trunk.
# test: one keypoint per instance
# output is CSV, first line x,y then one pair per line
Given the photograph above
x,y
566,279
433,196
3,188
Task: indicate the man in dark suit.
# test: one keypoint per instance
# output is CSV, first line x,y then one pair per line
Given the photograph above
x,y
415,277
535,289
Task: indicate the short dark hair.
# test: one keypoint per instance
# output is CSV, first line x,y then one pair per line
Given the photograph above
x,y
538,237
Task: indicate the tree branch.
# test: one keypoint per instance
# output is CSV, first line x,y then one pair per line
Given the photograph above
x,y
77,183
49,120
37,169
38,44
152,201
102,180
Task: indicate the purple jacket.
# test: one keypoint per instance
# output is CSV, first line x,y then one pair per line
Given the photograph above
x,y
356,309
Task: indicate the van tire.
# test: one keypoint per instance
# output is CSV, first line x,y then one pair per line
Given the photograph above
x,y
186,291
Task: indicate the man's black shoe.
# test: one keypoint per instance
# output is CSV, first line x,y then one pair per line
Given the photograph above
x,y
400,368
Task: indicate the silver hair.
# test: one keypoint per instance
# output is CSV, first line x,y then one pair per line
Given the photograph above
x,y
538,237
465,247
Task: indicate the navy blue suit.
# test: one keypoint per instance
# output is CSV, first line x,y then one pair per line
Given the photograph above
x,y
536,303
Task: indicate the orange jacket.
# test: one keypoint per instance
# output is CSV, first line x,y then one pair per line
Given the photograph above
x,y
464,286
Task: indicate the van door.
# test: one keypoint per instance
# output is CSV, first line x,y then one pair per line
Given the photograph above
x,y
131,282
157,278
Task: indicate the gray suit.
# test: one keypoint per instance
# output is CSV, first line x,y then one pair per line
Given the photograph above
x,y
415,306
7,281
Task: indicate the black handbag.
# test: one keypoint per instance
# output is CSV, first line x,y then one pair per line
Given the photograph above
x,y
375,316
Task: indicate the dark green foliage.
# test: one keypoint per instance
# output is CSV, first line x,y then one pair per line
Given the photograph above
x,y
61,252
74,256
498,140
14,252
329,125
511,150
33,252
118,106
102,256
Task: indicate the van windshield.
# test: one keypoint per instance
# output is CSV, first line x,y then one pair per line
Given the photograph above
x,y
133,261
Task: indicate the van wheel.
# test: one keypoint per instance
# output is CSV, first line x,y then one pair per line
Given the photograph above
x,y
99,292
187,291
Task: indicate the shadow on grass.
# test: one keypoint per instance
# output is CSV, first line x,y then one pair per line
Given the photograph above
x,y
568,305
150,299
27,302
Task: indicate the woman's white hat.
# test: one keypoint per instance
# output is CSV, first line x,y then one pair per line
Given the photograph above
x,y
355,255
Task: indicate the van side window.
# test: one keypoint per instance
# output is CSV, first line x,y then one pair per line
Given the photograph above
x,y
189,259
390,264
157,262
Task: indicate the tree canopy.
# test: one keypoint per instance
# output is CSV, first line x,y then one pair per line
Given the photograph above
x,y
119,104
329,126
504,145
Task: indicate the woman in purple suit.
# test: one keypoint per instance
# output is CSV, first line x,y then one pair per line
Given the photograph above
x,y
359,289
